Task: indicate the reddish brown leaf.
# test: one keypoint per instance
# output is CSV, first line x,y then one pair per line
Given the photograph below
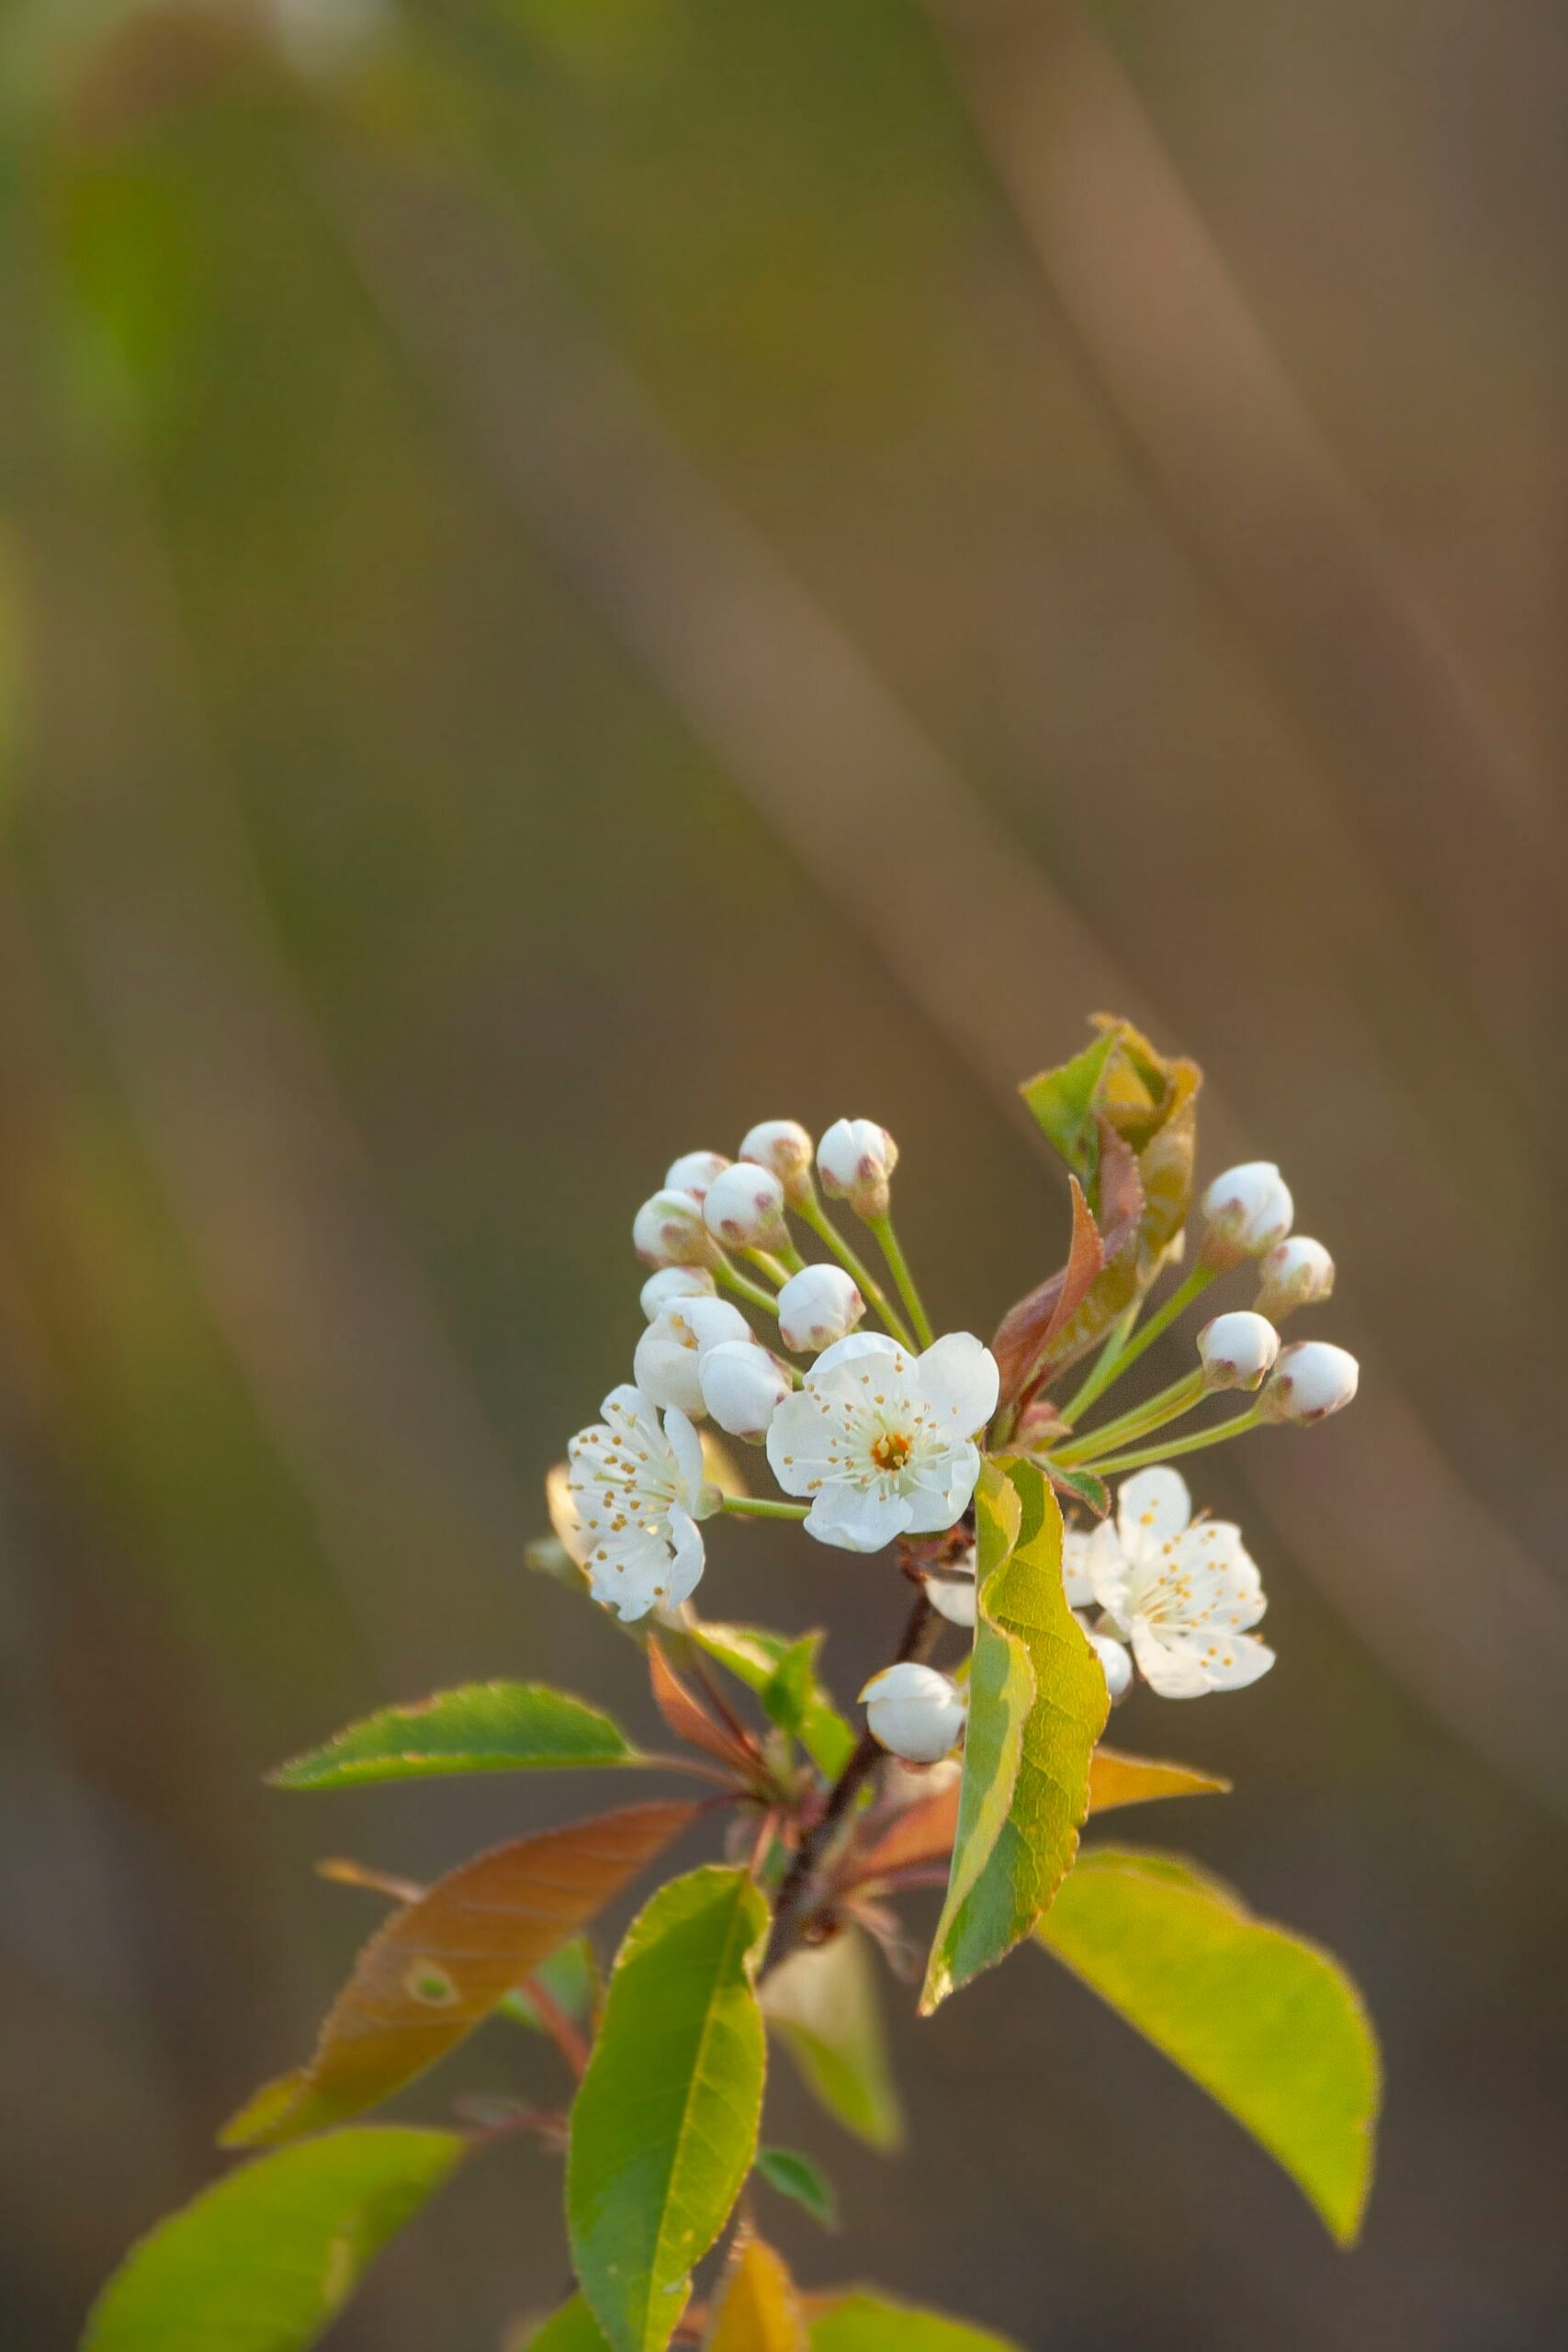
x,y
438,1968
1026,1330
689,1721
924,1831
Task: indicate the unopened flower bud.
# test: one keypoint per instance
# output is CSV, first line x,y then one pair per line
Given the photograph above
x,y
1312,1379
914,1712
1297,1272
668,1230
1248,1210
783,1145
667,1366
1237,1350
672,1283
745,1208
854,1160
694,1173
1115,1663
816,1306
953,1598
742,1387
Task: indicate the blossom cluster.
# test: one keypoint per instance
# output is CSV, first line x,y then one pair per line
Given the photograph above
x,y
878,1436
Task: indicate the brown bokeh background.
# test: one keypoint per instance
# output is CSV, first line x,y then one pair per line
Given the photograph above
x,y
575,573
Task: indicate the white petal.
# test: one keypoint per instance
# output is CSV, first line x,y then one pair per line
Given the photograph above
x,y
627,1409
687,1448
935,1505
798,1437
1154,1505
667,1371
857,1343
1171,1668
854,1520
1105,1566
957,1377
1241,1658
686,1561
1076,1582
953,1598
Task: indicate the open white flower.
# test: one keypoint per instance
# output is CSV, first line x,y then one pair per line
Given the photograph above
x,y
637,1491
1181,1594
882,1442
673,1282
667,1364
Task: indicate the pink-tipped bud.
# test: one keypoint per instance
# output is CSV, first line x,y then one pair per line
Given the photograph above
x,y
816,1306
855,1158
784,1146
1297,1272
1248,1210
744,1208
1310,1380
694,1173
1238,1350
668,1230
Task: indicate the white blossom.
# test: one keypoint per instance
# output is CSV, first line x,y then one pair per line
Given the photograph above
x,y
1181,1594
1297,1272
854,1160
1312,1379
742,1387
694,1173
954,1598
668,1230
667,1366
914,1712
882,1442
638,1490
672,1283
818,1306
1248,1210
745,1207
1237,1350
783,1145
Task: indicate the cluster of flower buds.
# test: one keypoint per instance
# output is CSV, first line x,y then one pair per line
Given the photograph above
x,y
876,1434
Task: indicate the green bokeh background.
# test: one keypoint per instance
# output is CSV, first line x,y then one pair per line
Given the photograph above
x,y
573,576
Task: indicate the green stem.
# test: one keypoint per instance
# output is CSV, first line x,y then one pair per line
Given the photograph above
x,y
1099,1379
1197,1282
811,1211
1143,1456
762,1507
730,1275
883,1229
1153,1414
777,1273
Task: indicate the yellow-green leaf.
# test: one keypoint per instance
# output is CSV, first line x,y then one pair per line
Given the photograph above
x,y
438,1967
768,1662
756,2307
859,2320
664,2128
482,1727
1270,2026
796,2176
571,2329
824,2004
1115,1779
263,2260
1021,1615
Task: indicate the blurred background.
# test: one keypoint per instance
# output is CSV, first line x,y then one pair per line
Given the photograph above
x,y
577,574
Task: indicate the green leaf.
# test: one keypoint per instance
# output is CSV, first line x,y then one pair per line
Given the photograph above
x,y
483,1727
793,2175
824,2004
757,2307
1269,2026
861,2321
571,2329
1083,1486
768,1663
1065,1102
263,2260
664,2128
1023,1621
